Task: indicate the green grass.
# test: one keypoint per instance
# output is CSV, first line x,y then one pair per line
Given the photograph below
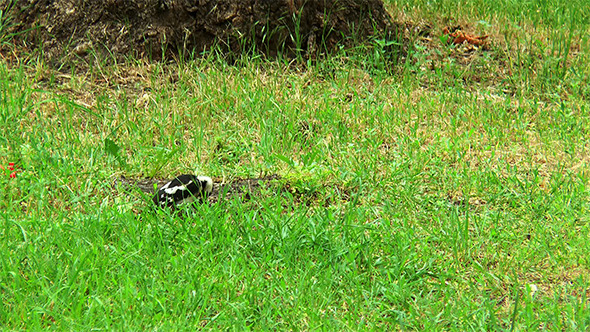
x,y
434,195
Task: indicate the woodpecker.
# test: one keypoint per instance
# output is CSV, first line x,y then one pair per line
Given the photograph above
x,y
183,189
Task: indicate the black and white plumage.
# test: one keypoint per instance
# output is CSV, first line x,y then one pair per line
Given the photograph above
x,y
183,189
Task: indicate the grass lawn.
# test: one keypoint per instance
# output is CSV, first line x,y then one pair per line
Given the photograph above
x,y
449,191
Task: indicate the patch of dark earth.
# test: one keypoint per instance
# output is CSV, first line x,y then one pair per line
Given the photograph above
x,y
242,188
81,31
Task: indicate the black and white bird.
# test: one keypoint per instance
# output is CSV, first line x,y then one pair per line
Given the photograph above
x,y
183,189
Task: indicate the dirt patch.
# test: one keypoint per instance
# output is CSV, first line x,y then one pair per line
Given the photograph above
x,y
242,188
117,28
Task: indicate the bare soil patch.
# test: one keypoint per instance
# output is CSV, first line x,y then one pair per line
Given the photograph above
x,y
242,188
156,28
